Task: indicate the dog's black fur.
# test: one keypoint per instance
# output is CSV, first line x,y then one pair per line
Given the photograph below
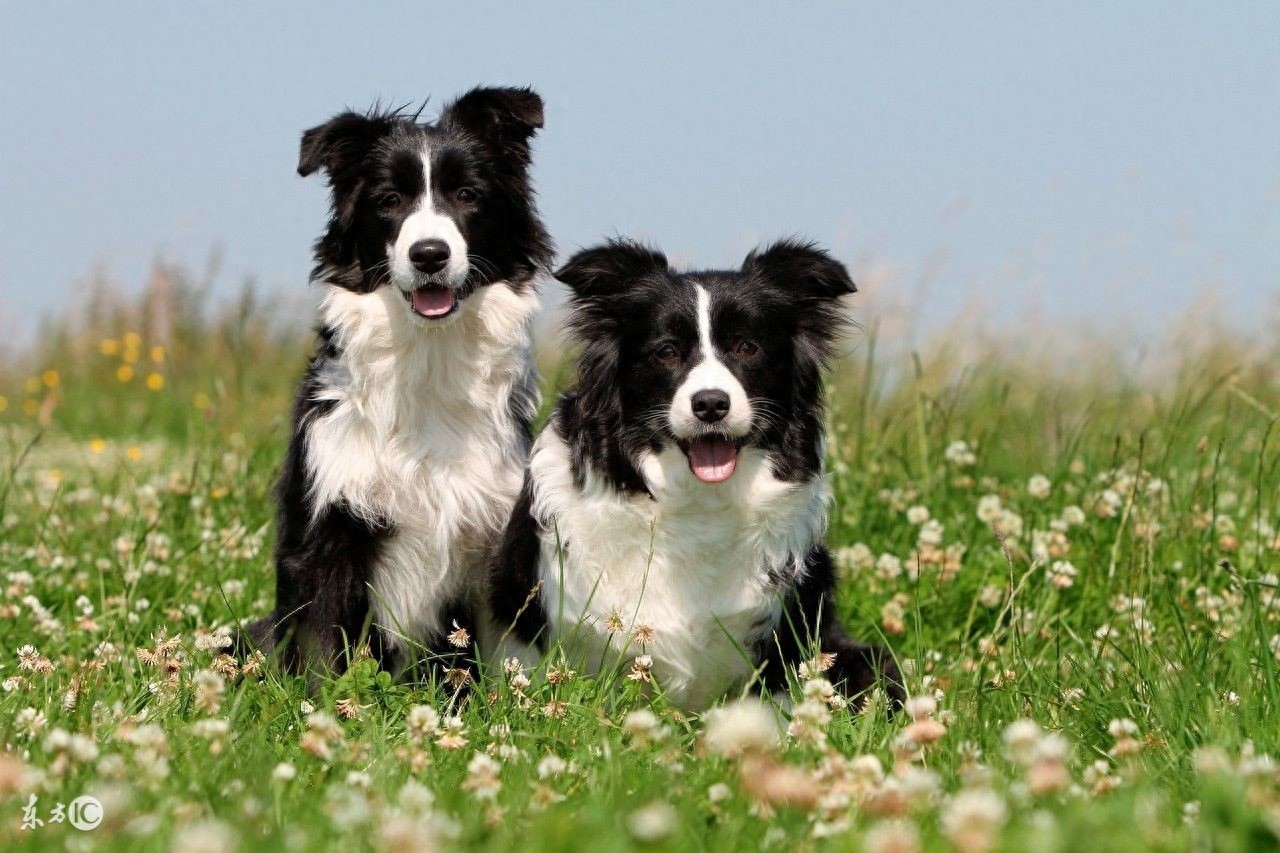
x,y
325,555
635,319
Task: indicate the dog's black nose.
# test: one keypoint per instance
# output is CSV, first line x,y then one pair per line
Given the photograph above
x,y
429,255
710,405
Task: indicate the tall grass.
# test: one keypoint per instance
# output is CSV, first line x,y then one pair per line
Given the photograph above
x,y
1043,527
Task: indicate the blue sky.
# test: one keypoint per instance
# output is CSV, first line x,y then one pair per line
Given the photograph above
x,y
1079,161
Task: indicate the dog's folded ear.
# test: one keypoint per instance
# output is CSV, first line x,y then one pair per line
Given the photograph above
x,y
341,142
802,267
502,116
605,270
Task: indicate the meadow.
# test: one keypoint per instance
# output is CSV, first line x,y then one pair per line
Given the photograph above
x,y
1073,556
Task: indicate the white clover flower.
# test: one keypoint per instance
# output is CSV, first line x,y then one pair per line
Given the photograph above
x,y
888,566
1062,574
917,514
960,454
1010,524
818,689
972,819
1039,486
1122,727
931,533
892,836
551,765
991,596
482,777
30,722
918,707
1021,739
205,836
855,557
415,797
323,724
1074,516
641,724
422,722
990,508
741,727
719,792
284,772
211,729
1053,747
652,822
867,767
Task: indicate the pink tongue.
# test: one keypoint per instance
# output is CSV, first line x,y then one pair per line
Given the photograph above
x,y
712,458
433,301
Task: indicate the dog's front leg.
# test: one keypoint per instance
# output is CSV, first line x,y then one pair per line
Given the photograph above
x,y
809,619
322,593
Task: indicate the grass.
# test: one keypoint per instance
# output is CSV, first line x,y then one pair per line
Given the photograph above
x,y
136,524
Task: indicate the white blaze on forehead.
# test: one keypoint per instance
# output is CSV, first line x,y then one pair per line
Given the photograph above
x,y
704,322
708,374
426,223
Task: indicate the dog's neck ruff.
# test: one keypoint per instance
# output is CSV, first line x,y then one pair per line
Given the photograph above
x,y
690,576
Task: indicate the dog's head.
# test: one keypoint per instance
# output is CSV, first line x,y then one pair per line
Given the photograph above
x,y
434,210
710,362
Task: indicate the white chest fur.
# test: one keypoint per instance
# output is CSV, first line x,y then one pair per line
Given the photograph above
x,y
420,435
690,569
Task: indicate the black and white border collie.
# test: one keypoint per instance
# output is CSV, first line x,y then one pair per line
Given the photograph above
x,y
412,424
674,506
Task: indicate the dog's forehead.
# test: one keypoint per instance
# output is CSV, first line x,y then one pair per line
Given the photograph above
x,y
727,291
416,148
658,304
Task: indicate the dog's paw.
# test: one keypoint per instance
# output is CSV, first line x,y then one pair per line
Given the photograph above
x,y
860,668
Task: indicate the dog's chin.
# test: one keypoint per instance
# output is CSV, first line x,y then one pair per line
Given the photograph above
x,y
712,456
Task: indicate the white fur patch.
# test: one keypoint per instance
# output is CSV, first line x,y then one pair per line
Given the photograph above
x,y
421,436
425,223
693,565
709,374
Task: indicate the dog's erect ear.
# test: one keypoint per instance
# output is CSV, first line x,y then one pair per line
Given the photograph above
x,y
505,118
801,267
341,142
603,271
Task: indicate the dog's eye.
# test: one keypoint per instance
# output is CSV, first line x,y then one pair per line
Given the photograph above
x,y
466,195
388,200
667,353
745,349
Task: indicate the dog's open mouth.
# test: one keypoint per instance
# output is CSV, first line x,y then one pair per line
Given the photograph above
x,y
712,457
433,301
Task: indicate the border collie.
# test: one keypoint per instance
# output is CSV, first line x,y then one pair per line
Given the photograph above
x,y
412,424
673,510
